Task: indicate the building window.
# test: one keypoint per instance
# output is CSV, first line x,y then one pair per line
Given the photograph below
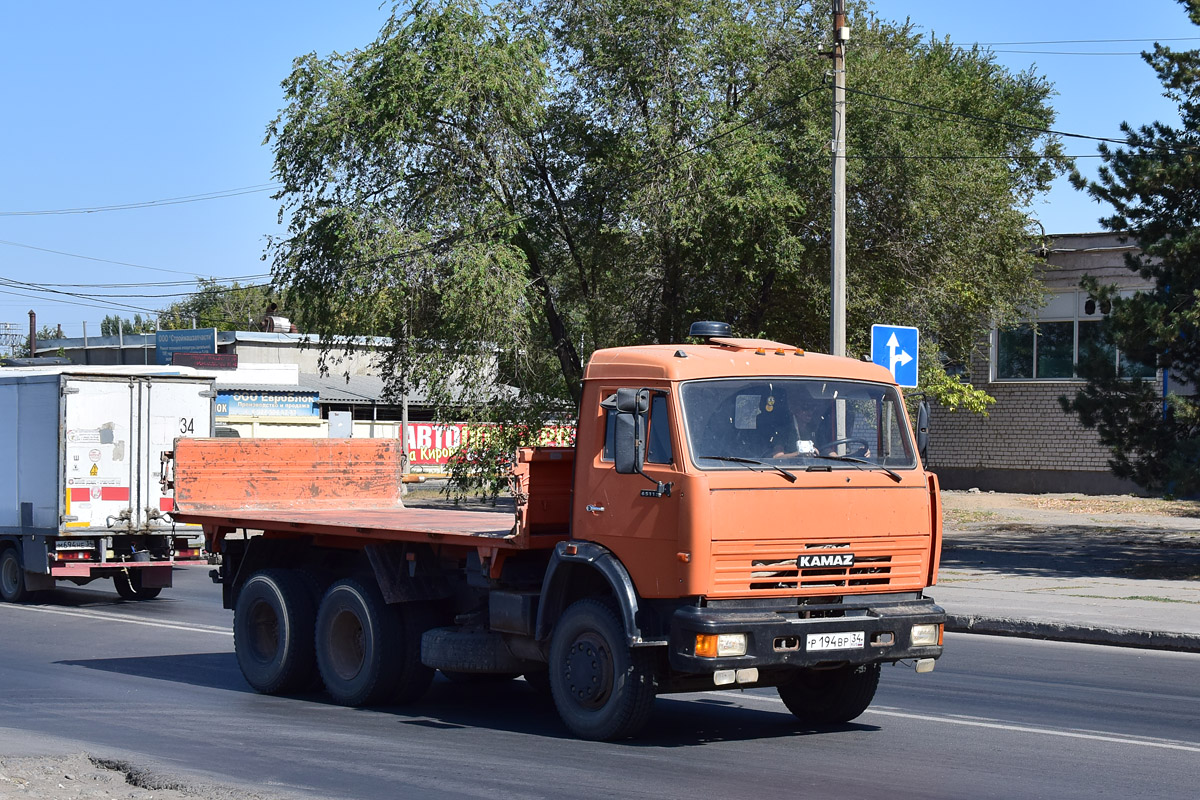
x,y
1064,334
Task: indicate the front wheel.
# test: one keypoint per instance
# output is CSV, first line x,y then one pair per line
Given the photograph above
x,y
12,577
602,688
129,586
830,696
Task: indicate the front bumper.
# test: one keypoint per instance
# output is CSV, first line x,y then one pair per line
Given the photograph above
x,y
777,633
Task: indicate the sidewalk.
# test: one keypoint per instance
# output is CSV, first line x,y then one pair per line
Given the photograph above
x,y
1107,570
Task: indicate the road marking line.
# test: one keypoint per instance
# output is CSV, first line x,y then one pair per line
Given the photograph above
x,y
118,618
1008,726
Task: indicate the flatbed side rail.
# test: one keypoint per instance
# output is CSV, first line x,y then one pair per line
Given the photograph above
x,y
282,473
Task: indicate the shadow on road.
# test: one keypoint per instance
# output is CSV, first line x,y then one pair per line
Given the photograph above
x,y
210,670
511,706
1074,551
677,721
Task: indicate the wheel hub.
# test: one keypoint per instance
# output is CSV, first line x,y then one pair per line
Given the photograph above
x,y
589,671
347,649
264,627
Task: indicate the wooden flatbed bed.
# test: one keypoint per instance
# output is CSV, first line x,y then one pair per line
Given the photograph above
x,y
351,488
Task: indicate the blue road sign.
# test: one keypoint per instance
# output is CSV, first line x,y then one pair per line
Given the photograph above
x,y
895,347
196,340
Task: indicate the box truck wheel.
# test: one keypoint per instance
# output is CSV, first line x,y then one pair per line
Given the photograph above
x,y
273,625
12,576
602,688
826,696
129,586
367,651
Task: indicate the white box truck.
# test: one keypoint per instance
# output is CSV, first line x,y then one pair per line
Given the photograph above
x,y
81,489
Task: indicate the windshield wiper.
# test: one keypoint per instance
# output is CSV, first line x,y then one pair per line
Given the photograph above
x,y
863,464
748,461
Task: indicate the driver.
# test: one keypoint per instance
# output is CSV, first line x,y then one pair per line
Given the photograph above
x,y
810,428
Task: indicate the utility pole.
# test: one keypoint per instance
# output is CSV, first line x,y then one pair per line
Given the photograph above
x,y
837,282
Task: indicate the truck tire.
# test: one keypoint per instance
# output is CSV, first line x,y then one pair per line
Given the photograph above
x,y
129,586
12,576
469,655
602,688
273,624
830,696
368,652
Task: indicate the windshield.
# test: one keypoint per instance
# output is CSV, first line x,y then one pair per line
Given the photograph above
x,y
795,422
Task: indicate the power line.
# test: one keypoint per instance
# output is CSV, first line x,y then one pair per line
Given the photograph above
x,y
157,284
102,307
170,201
94,258
1071,52
1091,41
961,157
987,120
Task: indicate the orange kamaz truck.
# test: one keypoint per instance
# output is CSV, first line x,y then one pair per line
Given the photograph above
x,y
738,513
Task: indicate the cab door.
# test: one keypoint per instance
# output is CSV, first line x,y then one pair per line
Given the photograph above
x,y
642,531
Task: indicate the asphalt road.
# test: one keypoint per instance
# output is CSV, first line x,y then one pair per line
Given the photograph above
x,y
157,683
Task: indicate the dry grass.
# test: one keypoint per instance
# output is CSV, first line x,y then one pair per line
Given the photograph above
x,y
962,516
1125,504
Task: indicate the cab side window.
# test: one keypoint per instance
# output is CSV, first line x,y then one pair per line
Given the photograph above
x,y
658,446
658,449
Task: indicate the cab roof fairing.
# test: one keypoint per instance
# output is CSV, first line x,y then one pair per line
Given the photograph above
x,y
726,358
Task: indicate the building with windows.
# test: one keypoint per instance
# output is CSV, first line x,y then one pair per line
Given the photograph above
x,y
1027,443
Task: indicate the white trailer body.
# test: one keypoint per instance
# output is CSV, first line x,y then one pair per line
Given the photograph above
x,y
81,490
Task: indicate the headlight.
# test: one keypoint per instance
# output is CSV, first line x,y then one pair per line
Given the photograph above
x,y
926,635
710,645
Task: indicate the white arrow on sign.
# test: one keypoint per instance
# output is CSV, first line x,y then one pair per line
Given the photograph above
x,y
896,359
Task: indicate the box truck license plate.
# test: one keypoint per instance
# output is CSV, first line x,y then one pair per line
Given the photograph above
x,y
842,640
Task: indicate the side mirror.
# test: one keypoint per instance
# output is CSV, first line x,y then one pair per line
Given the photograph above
x,y
629,442
633,401
923,429
629,436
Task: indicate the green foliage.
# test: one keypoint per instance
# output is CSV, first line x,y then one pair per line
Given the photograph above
x,y
1150,183
501,189
950,392
213,305
114,324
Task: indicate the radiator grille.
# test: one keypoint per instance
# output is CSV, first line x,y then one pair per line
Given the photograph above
x,y
892,563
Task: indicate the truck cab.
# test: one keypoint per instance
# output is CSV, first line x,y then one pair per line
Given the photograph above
x,y
771,512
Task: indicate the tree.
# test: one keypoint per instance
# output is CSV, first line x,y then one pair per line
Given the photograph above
x,y
213,305
114,324
522,184
1150,182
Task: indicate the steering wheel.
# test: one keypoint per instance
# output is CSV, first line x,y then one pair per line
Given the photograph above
x,y
861,446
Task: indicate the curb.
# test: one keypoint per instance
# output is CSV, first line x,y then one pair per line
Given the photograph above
x,y
1064,632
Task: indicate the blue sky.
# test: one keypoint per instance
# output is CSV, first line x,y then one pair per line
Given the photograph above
x,y
133,102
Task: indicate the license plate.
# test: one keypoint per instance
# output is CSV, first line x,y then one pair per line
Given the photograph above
x,y
841,640
74,544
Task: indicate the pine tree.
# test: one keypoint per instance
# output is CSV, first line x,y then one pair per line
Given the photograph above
x,y
1153,185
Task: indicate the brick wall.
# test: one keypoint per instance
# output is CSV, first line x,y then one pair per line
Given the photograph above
x,y
1027,442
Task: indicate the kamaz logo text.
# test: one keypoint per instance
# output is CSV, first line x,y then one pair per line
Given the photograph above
x,y
826,560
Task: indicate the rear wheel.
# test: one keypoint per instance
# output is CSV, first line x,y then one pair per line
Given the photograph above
x,y
129,585
368,652
603,689
828,696
12,577
273,624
